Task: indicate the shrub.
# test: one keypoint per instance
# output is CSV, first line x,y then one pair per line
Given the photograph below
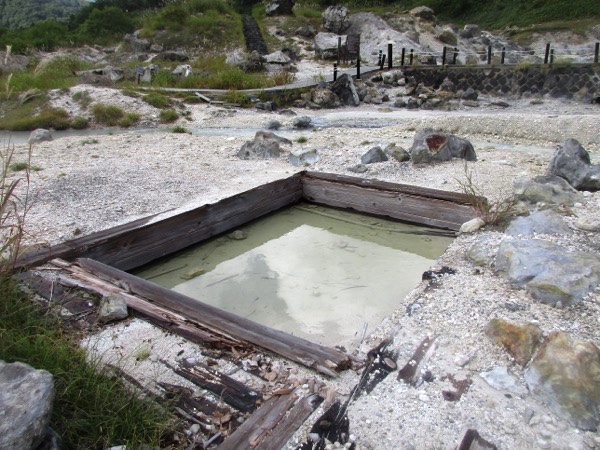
x,y
19,120
107,114
130,93
18,166
83,98
301,139
129,120
168,116
87,141
157,100
180,129
80,122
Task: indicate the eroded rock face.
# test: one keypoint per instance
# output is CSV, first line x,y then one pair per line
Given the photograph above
x,y
335,19
266,145
565,374
26,398
430,146
572,162
550,273
520,341
345,90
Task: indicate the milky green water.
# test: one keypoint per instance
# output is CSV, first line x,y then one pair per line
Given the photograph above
x,y
326,275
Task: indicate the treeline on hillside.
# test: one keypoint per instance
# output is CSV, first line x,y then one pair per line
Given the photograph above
x,y
24,13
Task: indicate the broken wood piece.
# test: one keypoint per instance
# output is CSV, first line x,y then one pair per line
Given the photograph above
x,y
202,97
380,363
273,424
231,391
473,441
411,372
461,387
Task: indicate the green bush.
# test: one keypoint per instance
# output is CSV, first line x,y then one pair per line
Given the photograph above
x,y
129,120
157,100
80,122
106,25
107,114
168,116
83,98
19,120
180,129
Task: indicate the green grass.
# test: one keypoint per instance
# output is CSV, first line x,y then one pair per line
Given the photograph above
x,y
168,116
83,98
24,118
89,141
129,120
301,139
80,122
107,114
92,408
157,100
180,129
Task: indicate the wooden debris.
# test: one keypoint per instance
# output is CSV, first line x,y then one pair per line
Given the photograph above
x,y
231,391
273,424
332,426
411,372
473,441
204,98
461,387
380,363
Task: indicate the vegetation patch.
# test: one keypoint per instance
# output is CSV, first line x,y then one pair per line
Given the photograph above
x,y
129,119
157,100
168,116
107,114
25,119
80,123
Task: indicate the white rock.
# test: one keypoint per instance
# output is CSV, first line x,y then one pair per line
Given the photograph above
x,y
472,225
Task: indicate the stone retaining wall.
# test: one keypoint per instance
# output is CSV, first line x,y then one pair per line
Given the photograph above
x,y
579,82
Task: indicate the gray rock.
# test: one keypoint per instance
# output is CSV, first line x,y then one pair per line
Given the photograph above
x,y
280,8
273,124
431,146
326,44
470,31
396,152
423,12
26,398
345,89
137,45
302,122
482,252
358,168
39,135
173,56
550,273
588,224
392,76
265,106
374,155
469,94
265,145
304,157
182,71
547,189
335,19
501,380
278,57
112,307
540,222
572,162
564,375
325,98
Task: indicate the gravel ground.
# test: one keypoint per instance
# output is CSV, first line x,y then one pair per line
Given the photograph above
x,y
89,184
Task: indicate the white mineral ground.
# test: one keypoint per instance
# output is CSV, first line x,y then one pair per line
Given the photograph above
x,y
87,187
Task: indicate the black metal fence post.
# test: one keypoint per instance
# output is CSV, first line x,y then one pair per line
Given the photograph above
x,y
335,71
404,52
382,62
358,67
489,54
444,56
455,55
379,58
596,51
547,54
551,56
503,55
410,58
389,55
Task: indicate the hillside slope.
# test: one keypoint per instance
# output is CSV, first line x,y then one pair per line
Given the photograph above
x,y
23,13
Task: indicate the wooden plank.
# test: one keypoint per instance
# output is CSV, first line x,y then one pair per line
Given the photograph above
x,y
132,245
273,424
416,205
323,359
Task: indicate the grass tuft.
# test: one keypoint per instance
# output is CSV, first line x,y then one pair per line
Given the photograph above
x,y
168,116
107,114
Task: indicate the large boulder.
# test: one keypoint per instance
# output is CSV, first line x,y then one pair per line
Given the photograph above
x,y
335,19
572,162
39,135
431,146
326,44
266,145
26,398
549,272
345,90
280,8
548,189
423,12
539,222
565,375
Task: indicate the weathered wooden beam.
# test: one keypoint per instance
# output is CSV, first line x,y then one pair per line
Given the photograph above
x,y
413,204
273,424
139,242
323,359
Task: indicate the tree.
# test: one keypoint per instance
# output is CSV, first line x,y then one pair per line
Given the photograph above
x,y
107,24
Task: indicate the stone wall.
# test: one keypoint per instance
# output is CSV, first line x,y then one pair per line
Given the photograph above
x,y
578,82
